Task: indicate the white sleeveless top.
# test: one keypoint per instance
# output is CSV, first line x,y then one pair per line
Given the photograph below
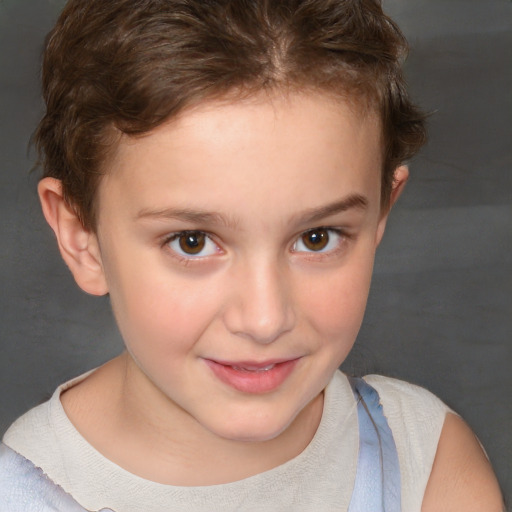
x,y
321,478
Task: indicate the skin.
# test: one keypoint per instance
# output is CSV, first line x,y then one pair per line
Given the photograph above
x,y
260,177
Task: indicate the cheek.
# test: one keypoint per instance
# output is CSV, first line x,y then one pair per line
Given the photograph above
x,y
162,315
336,303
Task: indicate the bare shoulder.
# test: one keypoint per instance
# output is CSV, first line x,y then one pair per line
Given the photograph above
x,y
462,478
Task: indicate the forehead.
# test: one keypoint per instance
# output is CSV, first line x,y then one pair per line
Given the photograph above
x,y
279,148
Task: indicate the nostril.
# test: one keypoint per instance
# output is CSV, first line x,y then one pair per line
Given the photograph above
x,y
261,324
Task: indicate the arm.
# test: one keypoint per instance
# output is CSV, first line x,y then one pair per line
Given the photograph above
x,y
462,478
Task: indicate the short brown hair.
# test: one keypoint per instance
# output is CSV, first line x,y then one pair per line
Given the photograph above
x,y
127,66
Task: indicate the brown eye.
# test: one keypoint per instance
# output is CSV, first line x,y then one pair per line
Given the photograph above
x,y
316,239
192,242
192,245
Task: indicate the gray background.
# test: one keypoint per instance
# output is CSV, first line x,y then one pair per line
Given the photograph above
x,y
440,308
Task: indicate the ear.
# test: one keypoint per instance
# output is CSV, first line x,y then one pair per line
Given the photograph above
x,y
79,247
400,177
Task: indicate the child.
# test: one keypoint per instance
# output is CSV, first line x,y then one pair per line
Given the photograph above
x,y
224,170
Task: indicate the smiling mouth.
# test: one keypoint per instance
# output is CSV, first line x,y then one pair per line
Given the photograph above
x,y
250,377
253,368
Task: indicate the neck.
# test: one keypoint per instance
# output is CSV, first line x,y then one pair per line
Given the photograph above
x,y
169,446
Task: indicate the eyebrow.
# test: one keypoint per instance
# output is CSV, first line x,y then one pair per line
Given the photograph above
x,y
353,201
187,215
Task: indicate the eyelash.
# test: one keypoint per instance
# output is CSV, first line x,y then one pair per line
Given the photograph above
x,y
208,239
324,252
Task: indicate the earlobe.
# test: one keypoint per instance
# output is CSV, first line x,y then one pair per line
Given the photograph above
x,y
78,246
400,178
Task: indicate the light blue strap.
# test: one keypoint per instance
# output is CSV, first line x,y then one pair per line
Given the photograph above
x,y
25,488
377,486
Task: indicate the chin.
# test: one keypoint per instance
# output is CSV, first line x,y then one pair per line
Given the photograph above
x,y
252,430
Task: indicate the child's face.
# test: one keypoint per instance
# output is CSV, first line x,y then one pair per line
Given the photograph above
x,y
237,244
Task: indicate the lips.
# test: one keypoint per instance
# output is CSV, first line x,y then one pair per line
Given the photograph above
x,y
252,377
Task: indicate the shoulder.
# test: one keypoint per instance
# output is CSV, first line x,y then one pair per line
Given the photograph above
x,y
36,435
30,430
399,394
25,488
443,465
462,477
416,417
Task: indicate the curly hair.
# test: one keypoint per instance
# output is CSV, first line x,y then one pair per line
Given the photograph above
x,y
127,66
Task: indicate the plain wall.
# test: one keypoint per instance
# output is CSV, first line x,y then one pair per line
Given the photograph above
x,y
439,313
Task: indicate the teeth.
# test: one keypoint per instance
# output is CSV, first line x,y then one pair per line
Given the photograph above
x,y
253,368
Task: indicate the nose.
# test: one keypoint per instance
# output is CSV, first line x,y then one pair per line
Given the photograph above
x,y
260,306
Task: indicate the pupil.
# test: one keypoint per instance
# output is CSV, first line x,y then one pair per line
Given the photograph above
x,y
316,240
192,243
